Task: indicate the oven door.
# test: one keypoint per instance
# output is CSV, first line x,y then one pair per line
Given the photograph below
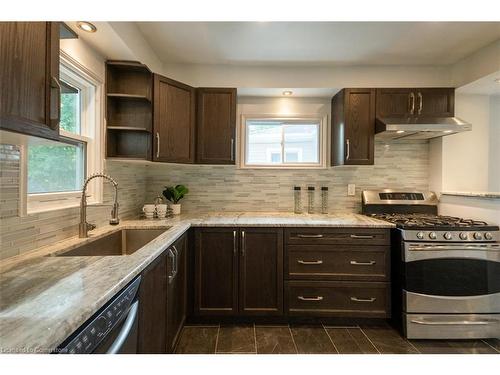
x,y
451,278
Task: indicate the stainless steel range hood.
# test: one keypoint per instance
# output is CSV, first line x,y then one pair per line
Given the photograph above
x,y
419,127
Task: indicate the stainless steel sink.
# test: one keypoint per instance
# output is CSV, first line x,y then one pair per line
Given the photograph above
x,y
122,242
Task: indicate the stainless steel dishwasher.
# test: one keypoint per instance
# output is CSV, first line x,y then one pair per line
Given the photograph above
x,y
112,330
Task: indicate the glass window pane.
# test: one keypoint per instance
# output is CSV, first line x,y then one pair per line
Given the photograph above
x,y
70,108
55,166
301,143
263,142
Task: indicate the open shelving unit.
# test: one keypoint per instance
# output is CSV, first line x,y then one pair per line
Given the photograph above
x,y
129,110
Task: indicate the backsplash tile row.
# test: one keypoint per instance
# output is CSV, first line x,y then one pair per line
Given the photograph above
x,y
226,188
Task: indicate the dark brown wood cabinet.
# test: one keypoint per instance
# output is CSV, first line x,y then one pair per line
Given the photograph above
x,y
415,102
29,78
216,125
173,121
261,272
176,291
239,272
216,271
153,307
353,127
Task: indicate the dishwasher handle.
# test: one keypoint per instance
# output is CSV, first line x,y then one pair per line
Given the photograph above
x,y
127,327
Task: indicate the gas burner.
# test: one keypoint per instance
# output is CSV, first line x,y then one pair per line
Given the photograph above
x,y
428,221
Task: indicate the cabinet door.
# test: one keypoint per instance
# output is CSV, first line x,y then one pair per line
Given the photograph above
x,y
359,107
174,116
435,102
176,297
261,271
216,125
216,271
29,78
153,308
395,102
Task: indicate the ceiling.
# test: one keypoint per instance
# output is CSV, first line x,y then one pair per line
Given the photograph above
x,y
317,43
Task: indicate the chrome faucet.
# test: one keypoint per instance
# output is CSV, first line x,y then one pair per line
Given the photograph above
x,y
84,227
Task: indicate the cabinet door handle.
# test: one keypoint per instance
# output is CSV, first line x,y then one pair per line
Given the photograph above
x,y
172,274
420,104
310,262
356,263
242,243
310,235
356,299
234,242
157,144
232,149
348,146
362,237
412,103
314,299
176,253
55,97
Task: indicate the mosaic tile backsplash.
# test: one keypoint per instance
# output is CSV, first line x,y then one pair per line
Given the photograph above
x,y
212,188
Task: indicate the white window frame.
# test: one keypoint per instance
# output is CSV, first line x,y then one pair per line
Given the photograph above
x,y
322,142
91,125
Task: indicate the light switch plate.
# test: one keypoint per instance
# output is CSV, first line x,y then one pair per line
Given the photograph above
x,y
351,189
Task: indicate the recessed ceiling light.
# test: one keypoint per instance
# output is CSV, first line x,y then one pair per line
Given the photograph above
x,y
447,131
497,80
400,131
86,26
287,93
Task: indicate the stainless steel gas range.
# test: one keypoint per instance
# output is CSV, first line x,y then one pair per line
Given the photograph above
x,y
445,270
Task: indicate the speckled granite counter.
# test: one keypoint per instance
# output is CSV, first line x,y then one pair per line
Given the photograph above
x,y
43,299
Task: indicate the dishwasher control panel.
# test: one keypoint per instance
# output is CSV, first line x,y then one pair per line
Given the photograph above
x,y
91,333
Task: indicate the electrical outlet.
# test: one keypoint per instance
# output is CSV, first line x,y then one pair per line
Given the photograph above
x,y
351,189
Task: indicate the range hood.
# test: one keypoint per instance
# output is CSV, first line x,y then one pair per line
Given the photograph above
x,y
419,127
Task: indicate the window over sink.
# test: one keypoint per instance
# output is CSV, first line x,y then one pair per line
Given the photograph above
x,y
278,142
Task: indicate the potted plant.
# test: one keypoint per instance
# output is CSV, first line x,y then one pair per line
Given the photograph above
x,y
174,194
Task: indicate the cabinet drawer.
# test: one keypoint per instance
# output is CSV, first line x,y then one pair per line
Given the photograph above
x,y
338,299
325,236
323,262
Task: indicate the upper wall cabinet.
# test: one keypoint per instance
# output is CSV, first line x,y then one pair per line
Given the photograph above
x,y
353,127
29,78
129,110
415,102
216,125
173,121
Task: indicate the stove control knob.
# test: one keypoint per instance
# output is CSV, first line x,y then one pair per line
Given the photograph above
x,y
432,235
447,236
420,235
478,236
464,236
488,236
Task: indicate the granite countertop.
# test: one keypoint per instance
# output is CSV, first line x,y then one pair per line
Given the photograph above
x,y
43,299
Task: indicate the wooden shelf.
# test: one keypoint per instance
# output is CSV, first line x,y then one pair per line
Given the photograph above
x,y
129,128
128,96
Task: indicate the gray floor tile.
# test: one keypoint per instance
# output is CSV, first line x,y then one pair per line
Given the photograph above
x,y
351,341
236,339
197,340
312,340
274,340
453,347
387,340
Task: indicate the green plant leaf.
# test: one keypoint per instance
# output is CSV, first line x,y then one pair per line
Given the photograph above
x,y
175,193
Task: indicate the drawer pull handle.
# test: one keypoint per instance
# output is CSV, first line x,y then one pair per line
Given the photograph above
x,y
356,263
310,262
317,298
456,323
356,299
362,237
310,235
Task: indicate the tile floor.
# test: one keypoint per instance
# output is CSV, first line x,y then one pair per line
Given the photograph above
x,y
318,339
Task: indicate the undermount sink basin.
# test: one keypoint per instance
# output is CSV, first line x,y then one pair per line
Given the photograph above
x,y
122,242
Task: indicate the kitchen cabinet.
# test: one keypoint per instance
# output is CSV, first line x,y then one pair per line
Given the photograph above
x,y
261,272
153,307
176,291
415,102
29,78
216,271
239,272
216,125
173,121
353,127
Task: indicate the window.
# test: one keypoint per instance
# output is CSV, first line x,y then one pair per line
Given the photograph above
x,y
273,142
56,170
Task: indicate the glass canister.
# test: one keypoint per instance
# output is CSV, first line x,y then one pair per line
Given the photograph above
x,y
324,199
297,198
310,199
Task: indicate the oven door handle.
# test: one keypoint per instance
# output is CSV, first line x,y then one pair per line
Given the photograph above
x,y
484,246
127,327
455,323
